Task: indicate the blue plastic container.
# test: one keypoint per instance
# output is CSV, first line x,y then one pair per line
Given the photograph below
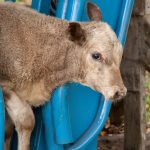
x,y
76,114
2,120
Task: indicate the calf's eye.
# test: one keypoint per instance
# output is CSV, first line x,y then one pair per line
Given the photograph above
x,y
96,56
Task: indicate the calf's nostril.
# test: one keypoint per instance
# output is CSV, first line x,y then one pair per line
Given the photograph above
x,y
117,94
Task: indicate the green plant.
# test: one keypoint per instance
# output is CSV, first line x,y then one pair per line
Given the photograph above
x,y
147,90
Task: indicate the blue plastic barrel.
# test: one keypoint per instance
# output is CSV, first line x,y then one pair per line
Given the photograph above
x,y
2,120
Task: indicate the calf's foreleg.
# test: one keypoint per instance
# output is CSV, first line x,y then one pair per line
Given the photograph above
x,y
9,127
22,116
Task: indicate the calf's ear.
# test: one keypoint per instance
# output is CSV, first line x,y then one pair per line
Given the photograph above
x,y
76,33
93,12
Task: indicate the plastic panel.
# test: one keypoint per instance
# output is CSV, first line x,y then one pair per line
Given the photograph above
x,y
42,6
2,120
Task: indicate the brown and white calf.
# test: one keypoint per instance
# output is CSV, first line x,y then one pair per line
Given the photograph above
x,y
39,53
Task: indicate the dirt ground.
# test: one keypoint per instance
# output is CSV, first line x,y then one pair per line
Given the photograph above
x,y
116,142
112,137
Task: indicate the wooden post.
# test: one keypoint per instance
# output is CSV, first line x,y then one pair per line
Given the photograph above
x,y
136,60
133,72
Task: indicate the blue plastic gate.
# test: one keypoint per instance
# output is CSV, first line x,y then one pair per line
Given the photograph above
x,y
76,114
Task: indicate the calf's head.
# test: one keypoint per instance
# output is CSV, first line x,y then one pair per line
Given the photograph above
x,y
99,54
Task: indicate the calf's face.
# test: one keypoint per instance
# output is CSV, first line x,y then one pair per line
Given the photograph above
x,y
102,61
101,55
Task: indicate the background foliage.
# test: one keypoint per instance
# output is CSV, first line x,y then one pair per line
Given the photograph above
x,y
147,89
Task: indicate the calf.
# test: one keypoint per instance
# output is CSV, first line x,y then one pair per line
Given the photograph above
x,y
39,53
